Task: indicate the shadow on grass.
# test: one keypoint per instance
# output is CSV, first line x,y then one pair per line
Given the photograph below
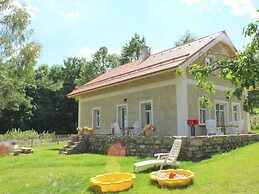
x,y
53,149
155,184
97,190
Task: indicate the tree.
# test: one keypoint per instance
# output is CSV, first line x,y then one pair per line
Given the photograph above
x,y
17,57
242,70
186,38
45,98
131,50
102,60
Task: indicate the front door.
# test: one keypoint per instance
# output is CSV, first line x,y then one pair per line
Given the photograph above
x,y
221,114
122,116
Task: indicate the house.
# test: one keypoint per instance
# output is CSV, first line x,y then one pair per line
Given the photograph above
x,y
149,91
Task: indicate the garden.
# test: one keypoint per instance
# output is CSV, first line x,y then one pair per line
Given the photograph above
x,y
46,171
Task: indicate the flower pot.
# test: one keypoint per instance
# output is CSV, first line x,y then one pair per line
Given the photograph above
x,y
148,132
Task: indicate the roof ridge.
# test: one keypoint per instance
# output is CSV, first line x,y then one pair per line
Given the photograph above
x,y
223,31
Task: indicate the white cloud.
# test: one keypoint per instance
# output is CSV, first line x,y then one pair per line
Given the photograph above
x,y
241,7
71,14
114,51
237,7
156,50
211,6
57,8
86,53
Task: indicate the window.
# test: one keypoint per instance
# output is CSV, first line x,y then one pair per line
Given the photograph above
x,y
221,113
235,112
146,113
203,113
122,115
96,118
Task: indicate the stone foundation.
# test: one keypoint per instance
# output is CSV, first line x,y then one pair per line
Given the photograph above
x,y
193,148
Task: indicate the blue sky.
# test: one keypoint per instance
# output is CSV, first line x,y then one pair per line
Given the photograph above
x,y
68,28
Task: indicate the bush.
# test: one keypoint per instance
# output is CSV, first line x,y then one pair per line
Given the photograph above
x,y
19,134
27,137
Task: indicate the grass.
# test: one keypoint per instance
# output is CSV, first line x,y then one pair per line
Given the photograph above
x,y
255,130
45,171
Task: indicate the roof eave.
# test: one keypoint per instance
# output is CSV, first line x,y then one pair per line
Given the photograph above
x,y
76,94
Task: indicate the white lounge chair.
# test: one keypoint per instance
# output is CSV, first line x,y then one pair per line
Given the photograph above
x,y
117,130
212,129
136,131
162,158
236,130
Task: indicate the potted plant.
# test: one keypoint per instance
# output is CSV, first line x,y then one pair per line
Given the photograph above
x,y
84,130
148,130
80,130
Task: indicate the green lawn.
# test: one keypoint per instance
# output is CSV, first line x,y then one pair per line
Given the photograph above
x,y
255,131
45,171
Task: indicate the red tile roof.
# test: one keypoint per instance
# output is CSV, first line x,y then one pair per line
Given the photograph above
x,y
167,59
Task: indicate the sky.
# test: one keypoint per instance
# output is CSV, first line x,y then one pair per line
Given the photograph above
x,y
78,28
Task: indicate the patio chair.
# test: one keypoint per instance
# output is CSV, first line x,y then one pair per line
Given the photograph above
x,y
236,130
117,130
163,158
136,131
212,129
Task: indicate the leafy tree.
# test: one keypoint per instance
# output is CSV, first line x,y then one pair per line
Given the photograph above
x,y
17,57
40,114
131,50
67,108
102,60
186,38
242,70
48,83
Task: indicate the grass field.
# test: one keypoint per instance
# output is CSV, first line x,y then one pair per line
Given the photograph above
x,y
255,131
45,171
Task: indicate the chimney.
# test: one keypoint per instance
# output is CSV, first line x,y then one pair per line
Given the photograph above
x,y
144,53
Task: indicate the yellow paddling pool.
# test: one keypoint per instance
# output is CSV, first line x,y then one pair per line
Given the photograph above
x,y
172,178
112,182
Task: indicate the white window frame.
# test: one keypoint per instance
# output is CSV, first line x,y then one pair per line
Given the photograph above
x,y
221,102
152,110
199,101
239,110
117,117
94,119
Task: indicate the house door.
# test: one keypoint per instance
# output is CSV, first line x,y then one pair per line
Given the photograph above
x,y
221,114
122,116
